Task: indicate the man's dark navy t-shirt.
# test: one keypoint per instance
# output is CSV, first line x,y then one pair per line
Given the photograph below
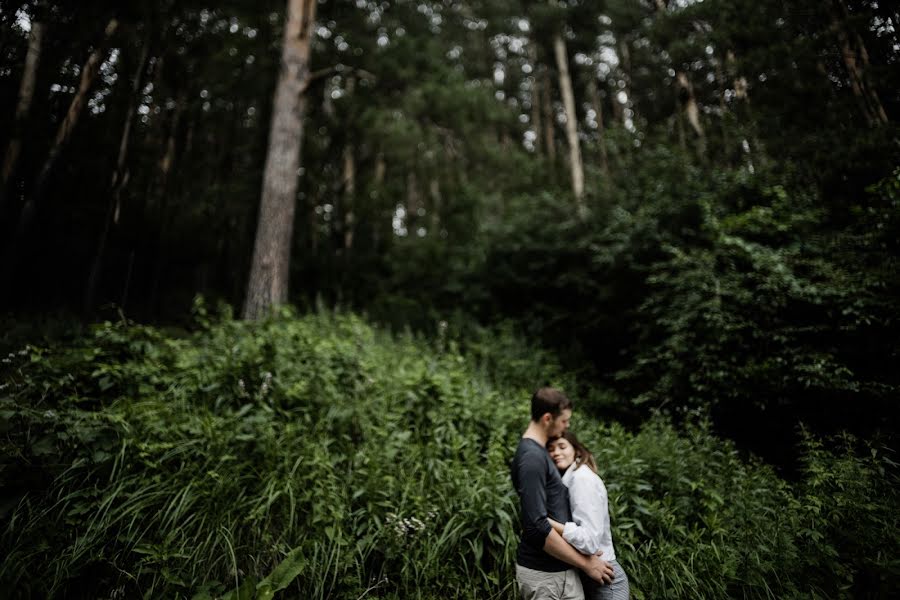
x,y
541,494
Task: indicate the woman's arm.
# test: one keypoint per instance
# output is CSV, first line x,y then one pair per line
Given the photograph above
x,y
589,504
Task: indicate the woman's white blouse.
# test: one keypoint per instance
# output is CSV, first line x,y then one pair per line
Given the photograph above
x,y
590,533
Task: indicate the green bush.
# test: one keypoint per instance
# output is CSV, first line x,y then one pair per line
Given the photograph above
x,y
325,458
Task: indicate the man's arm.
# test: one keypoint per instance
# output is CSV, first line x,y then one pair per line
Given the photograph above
x,y
536,529
595,568
557,526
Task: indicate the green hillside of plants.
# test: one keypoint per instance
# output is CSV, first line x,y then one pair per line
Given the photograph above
x,y
317,456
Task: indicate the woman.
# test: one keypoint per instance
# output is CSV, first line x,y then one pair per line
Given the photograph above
x,y
590,533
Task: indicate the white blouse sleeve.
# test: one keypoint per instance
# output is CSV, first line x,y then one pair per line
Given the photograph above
x,y
587,496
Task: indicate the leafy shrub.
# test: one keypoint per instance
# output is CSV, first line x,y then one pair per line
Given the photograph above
x,y
325,458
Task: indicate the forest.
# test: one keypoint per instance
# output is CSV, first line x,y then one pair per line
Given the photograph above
x,y
278,279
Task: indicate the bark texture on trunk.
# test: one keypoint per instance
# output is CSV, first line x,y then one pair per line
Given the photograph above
x,y
270,266
23,108
576,167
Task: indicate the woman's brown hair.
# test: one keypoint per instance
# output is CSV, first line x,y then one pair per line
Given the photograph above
x,y
583,456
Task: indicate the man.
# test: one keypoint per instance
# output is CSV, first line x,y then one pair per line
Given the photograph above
x,y
545,560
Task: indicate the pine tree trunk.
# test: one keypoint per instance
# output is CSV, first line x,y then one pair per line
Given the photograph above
x,y
270,267
89,73
23,108
349,192
691,110
856,61
547,110
535,98
413,199
118,182
166,166
601,131
349,183
379,175
565,87
625,58
434,193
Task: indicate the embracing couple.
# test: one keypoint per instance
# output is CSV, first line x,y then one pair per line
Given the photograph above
x,y
566,552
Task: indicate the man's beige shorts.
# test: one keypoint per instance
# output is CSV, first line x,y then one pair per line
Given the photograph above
x,y
540,585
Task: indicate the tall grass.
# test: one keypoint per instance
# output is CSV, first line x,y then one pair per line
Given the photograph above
x,y
317,457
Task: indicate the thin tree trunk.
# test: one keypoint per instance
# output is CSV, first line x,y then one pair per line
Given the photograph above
x,y
270,268
23,108
349,183
625,57
601,131
119,181
856,60
535,99
565,87
89,73
413,198
434,192
691,110
547,110
380,171
380,168
349,189
166,165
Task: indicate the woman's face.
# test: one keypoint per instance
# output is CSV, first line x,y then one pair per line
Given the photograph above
x,y
562,453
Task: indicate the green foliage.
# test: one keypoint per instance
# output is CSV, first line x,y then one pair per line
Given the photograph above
x,y
317,457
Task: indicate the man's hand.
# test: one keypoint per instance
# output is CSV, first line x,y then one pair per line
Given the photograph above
x,y
598,569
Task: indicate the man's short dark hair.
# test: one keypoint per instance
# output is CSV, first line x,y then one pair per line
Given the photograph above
x,y
548,400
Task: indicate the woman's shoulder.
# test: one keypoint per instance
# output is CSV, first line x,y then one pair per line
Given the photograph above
x,y
587,476
585,473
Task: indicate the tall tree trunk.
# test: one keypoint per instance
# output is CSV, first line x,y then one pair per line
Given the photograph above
x,y
535,98
691,110
166,166
23,108
349,183
413,199
270,267
625,58
856,61
437,200
89,73
548,117
597,103
565,87
380,171
349,193
119,181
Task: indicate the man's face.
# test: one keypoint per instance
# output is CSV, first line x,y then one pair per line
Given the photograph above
x,y
560,424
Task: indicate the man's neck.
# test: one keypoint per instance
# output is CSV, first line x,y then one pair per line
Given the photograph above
x,y
536,432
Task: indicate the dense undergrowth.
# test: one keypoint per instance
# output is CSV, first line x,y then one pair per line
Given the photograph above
x,y
319,457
